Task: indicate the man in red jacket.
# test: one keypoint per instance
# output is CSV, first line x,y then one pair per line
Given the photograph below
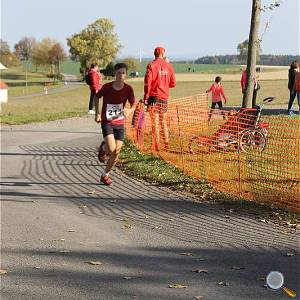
x,y
95,85
158,79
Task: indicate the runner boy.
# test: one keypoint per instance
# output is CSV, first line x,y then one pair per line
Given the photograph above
x,y
115,95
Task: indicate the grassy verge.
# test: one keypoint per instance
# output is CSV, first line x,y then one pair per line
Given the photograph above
x,y
155,170
15,78
46,108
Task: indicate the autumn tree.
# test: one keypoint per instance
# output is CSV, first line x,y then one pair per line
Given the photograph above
x,y
8,58
56,55
130,62
97,43
24,51
40,56
242,49
24,48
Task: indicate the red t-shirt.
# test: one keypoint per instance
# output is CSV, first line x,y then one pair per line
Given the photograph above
x,y
158,79
216,92
114,102
96,80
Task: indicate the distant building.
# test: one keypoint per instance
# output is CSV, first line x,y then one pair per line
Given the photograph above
x,y
3,88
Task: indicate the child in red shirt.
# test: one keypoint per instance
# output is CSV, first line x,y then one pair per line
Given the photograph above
x,y
217,92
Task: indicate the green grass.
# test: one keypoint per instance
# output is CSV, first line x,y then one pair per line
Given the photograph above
x,y
232,90
45,108
71,103
15,78
70,67
198,68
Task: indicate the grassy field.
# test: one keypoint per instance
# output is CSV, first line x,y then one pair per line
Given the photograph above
x,y
15,78
72,103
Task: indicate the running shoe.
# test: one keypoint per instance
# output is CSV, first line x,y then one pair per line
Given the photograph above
x,y
106,180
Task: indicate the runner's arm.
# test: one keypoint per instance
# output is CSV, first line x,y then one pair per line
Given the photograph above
x,y
223,95
172,78
147,83
99,94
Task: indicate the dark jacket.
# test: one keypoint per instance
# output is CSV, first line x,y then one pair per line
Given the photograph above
x,y
292,73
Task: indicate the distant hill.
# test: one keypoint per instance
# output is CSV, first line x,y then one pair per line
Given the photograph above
x,y
265,59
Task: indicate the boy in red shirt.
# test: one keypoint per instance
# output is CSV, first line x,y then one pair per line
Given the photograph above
x,y
217,93
112,117
158,79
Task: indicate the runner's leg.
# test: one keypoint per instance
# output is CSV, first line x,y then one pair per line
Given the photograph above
x,y
164,126
213,105
114,149
155,127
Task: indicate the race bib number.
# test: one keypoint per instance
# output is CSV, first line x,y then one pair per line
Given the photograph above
x,y
114,112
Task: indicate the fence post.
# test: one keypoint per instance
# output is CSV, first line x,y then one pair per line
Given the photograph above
x,y
180,138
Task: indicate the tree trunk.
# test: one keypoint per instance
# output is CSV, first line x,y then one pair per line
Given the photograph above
x,y
252,51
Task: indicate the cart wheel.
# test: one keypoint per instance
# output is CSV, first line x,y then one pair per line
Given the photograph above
x,y
199,144
252,141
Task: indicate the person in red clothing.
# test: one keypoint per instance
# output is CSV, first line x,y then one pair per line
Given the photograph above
x,y
115,95
217,93
158,79
95,86
256,86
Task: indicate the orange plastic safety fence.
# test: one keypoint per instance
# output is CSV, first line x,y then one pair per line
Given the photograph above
x,y
235,151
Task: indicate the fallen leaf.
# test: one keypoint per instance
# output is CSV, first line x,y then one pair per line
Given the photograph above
x,y
156,227
37,267
263,220
59,240
261,278
127,277
223,283
64,251
200,271
177,286
127,226
146,217
70,230
187,253
94,263
91,192
237,268
3,272
82,206
198,297
125,220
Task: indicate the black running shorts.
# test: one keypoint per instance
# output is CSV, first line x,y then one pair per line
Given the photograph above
x,y
117,130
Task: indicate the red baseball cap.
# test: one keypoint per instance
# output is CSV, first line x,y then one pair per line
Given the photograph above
x,y
159,51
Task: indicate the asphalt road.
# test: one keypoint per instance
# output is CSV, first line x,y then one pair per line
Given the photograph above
x,y
56,218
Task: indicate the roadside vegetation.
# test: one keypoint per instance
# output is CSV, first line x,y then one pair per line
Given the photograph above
x,y
71,103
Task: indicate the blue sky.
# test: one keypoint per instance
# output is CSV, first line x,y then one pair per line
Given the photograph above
x,y
187,29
